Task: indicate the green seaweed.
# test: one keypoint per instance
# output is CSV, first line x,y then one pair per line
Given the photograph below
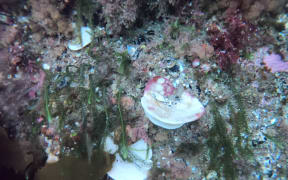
x,y
240,125
124,60
239,120
221,150
90,104
123,146
85,10
225,150
62,111
46,99
278,141
165,45
175,30
124,149
248,55
85,13
97,106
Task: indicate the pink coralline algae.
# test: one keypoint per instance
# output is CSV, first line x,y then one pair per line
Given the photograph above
x,y
274,63
168,88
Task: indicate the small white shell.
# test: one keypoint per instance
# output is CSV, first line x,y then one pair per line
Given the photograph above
x,y
46,66
131,50
169,115
109,145
136,170
86,37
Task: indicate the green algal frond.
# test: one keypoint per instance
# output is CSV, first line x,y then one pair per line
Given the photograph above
x,y
221,150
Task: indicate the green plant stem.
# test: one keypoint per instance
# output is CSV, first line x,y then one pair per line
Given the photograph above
x,y
123,146
48,115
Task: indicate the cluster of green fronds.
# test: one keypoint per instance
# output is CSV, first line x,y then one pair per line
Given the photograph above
x,y
85,10
175,30
221,150
90,104
248,55
278,141
165,45
123,146
46,100
124,149
101,111
239,121
124,61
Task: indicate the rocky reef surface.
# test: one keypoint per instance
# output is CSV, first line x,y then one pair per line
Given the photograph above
x,y
73,73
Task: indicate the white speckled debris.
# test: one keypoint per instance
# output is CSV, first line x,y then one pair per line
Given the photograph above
x,y
138,169
164,110
86,38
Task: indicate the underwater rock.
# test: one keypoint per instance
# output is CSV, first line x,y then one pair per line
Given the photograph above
x,y
169,109
138,169
20,158
13,155
86,38
75,168
49,15
8,34
283,19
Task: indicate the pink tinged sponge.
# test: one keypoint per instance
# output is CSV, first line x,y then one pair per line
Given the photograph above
x,y
274,63
165,110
